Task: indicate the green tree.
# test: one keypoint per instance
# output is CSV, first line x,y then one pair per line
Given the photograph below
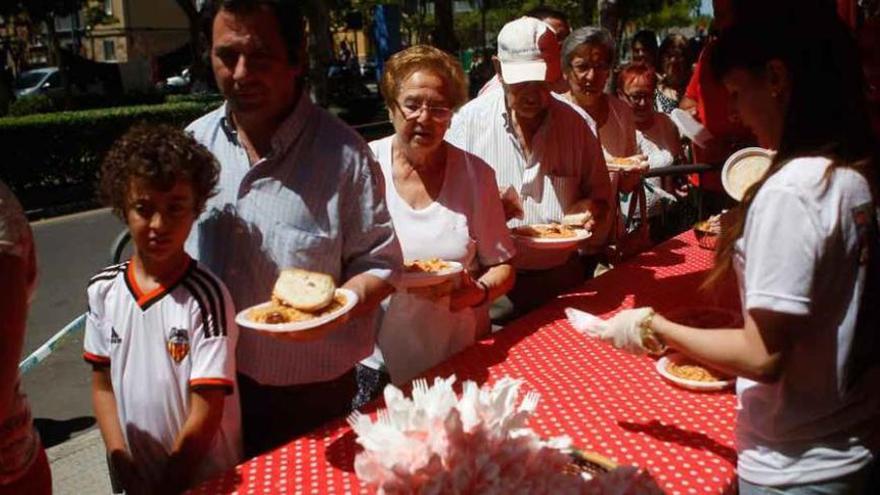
x,y
655,14
672,14
45,12
444,31
317,13
198,45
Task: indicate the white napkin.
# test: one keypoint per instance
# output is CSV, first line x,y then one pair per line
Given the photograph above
x,y
438,442
690,127
622,330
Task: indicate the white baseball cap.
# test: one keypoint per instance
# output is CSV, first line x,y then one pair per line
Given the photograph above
x,y
528,51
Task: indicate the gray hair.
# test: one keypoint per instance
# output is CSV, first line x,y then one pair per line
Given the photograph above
x,y
588,35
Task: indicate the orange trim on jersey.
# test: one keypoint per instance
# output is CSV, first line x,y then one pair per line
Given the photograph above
x,y
212,382
96,359
145,299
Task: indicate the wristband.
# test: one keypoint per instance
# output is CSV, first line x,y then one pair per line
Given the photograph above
x,y
485,294
651,341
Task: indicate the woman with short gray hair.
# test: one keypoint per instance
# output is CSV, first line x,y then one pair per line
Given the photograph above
x,y
588,57
592,35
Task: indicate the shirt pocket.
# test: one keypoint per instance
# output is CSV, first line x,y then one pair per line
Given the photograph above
x,y
294,247
565,190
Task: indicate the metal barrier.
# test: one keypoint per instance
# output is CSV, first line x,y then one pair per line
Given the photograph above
x,y
696,168
677,170
45,350
118,246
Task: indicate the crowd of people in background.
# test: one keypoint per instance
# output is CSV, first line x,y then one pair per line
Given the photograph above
x,y
270,180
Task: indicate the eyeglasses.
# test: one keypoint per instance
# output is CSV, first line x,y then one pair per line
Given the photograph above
x,y
583,68
412,111
638,97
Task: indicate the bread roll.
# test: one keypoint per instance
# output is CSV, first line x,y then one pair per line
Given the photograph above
x,y
304,290
578,214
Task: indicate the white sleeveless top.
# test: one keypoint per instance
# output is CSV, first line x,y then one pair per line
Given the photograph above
x,y
464,224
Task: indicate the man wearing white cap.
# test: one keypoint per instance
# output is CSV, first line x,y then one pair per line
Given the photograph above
x,y
547,160
558,22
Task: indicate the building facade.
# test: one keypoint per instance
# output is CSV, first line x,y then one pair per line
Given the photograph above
x,y
132,29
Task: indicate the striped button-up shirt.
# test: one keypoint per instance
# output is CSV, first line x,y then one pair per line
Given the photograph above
x,y
566,163
316,201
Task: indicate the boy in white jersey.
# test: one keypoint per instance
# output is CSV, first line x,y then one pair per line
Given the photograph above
x,y
160,331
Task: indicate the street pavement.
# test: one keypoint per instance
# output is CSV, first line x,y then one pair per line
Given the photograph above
x,y
70,250
79,466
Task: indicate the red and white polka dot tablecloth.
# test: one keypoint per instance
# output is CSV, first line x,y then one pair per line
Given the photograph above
x,y
607,401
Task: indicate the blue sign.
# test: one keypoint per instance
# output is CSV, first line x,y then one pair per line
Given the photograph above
x,y
386,33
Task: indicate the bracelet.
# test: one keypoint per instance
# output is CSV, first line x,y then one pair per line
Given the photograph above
x,y
651,341
485,294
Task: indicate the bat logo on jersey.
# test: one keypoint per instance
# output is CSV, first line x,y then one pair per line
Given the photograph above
x,y
178,344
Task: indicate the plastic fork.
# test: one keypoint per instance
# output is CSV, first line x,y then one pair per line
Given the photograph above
x,y
530,402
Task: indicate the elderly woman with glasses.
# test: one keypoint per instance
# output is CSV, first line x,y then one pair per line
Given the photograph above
x,y
587,60
444,203
656,136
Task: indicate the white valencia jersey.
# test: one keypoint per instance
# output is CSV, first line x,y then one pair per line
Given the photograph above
x,y
160,346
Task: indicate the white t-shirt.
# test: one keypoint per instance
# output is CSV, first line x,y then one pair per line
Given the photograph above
x,y
160,346
802,253
464,224
661,144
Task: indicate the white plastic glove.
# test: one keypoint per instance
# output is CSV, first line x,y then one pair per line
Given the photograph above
x,y
623,330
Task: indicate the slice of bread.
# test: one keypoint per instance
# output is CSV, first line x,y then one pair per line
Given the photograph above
x,y
304,290
578,214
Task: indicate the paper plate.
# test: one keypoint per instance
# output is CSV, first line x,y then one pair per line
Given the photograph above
x,y
588,465
552,243
425,279
351,299
642,166
689,384
744,168
690,128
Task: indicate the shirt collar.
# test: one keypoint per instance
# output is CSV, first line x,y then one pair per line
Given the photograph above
x,y
290,129
226,124
294,124
507,116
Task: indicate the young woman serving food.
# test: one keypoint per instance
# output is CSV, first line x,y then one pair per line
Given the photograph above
x,y
804,246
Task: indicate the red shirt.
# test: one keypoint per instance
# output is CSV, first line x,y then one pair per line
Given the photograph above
x,y
713,111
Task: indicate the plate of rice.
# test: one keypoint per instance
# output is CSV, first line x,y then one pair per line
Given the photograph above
x,y
687,373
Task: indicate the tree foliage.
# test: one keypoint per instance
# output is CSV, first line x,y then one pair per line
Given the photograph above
x,y
651,14
656,14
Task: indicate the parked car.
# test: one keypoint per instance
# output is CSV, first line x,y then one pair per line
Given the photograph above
x,y
45,81
176,84
368,71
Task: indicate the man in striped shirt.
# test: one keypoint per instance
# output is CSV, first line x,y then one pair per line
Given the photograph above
x,y
298,188
541,148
